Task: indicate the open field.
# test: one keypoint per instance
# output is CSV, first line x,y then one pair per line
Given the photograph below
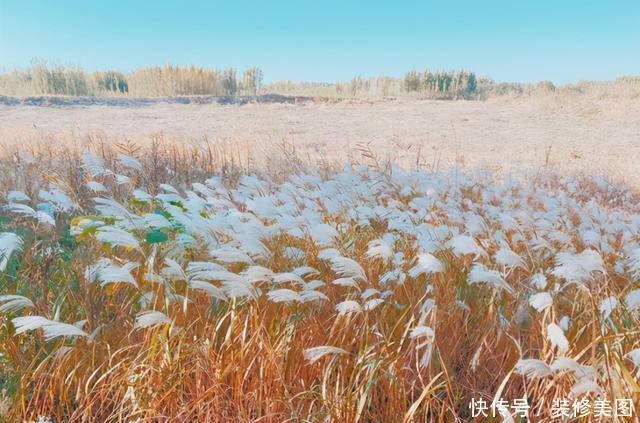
x,y
572,134
355,261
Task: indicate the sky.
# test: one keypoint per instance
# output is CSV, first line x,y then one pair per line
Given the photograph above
x,y
323,41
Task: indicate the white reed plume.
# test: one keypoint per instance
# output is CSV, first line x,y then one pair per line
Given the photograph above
x,y
316,353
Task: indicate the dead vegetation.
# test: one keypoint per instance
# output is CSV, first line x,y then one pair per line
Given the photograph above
x,y
168,282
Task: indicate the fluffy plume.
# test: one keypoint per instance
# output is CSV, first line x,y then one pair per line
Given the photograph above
x,y
204,270
155,220
111,208
130,162
328,254
45,218
578,267
51,328
24,210
58,198
173,270
287,277
316,353
585,386
347,268
21,209
117,237
463,244
368,293
634,356
96,186
314,284
255,274
14,303
17,196
169,188
541,301
122,179
238,287
349,282
506,257
305,271
423,333
427,263
633,262
556,336
284,296
379,249
633,300
533,368
372,303
93,164
348,306
323,234
309,295
150,318
539,280
9,243
480,274
231,255
211,290
607,305
107,272
569,364
141,195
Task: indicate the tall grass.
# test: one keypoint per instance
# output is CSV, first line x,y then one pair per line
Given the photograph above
x,y
40,79
185,285
167,81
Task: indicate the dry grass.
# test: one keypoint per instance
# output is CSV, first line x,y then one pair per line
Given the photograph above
x,y
169,80
42,79
415,343
572,134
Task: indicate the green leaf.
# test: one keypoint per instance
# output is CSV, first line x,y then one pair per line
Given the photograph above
x,y
162,212
178,204
156,236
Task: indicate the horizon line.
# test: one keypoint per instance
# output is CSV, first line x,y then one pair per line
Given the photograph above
x,y
55,64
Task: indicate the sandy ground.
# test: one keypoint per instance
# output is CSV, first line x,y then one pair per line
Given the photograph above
x,y
578,135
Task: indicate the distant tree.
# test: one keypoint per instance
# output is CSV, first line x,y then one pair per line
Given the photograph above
x,y
412,81
252,81
358,85
472,84
428,81
113,82
446,82
123,87
230,82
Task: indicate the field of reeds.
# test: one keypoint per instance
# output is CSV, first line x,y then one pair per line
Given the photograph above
x,y
148,284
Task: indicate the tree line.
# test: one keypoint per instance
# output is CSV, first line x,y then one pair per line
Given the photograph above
x,y
161,81
168,80
442,83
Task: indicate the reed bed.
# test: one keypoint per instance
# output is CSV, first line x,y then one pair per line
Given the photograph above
x,y
142,284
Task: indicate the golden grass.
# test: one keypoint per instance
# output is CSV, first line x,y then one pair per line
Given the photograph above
x,y
243,359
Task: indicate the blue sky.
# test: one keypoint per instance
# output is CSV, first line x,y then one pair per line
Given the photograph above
x,y
563,40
